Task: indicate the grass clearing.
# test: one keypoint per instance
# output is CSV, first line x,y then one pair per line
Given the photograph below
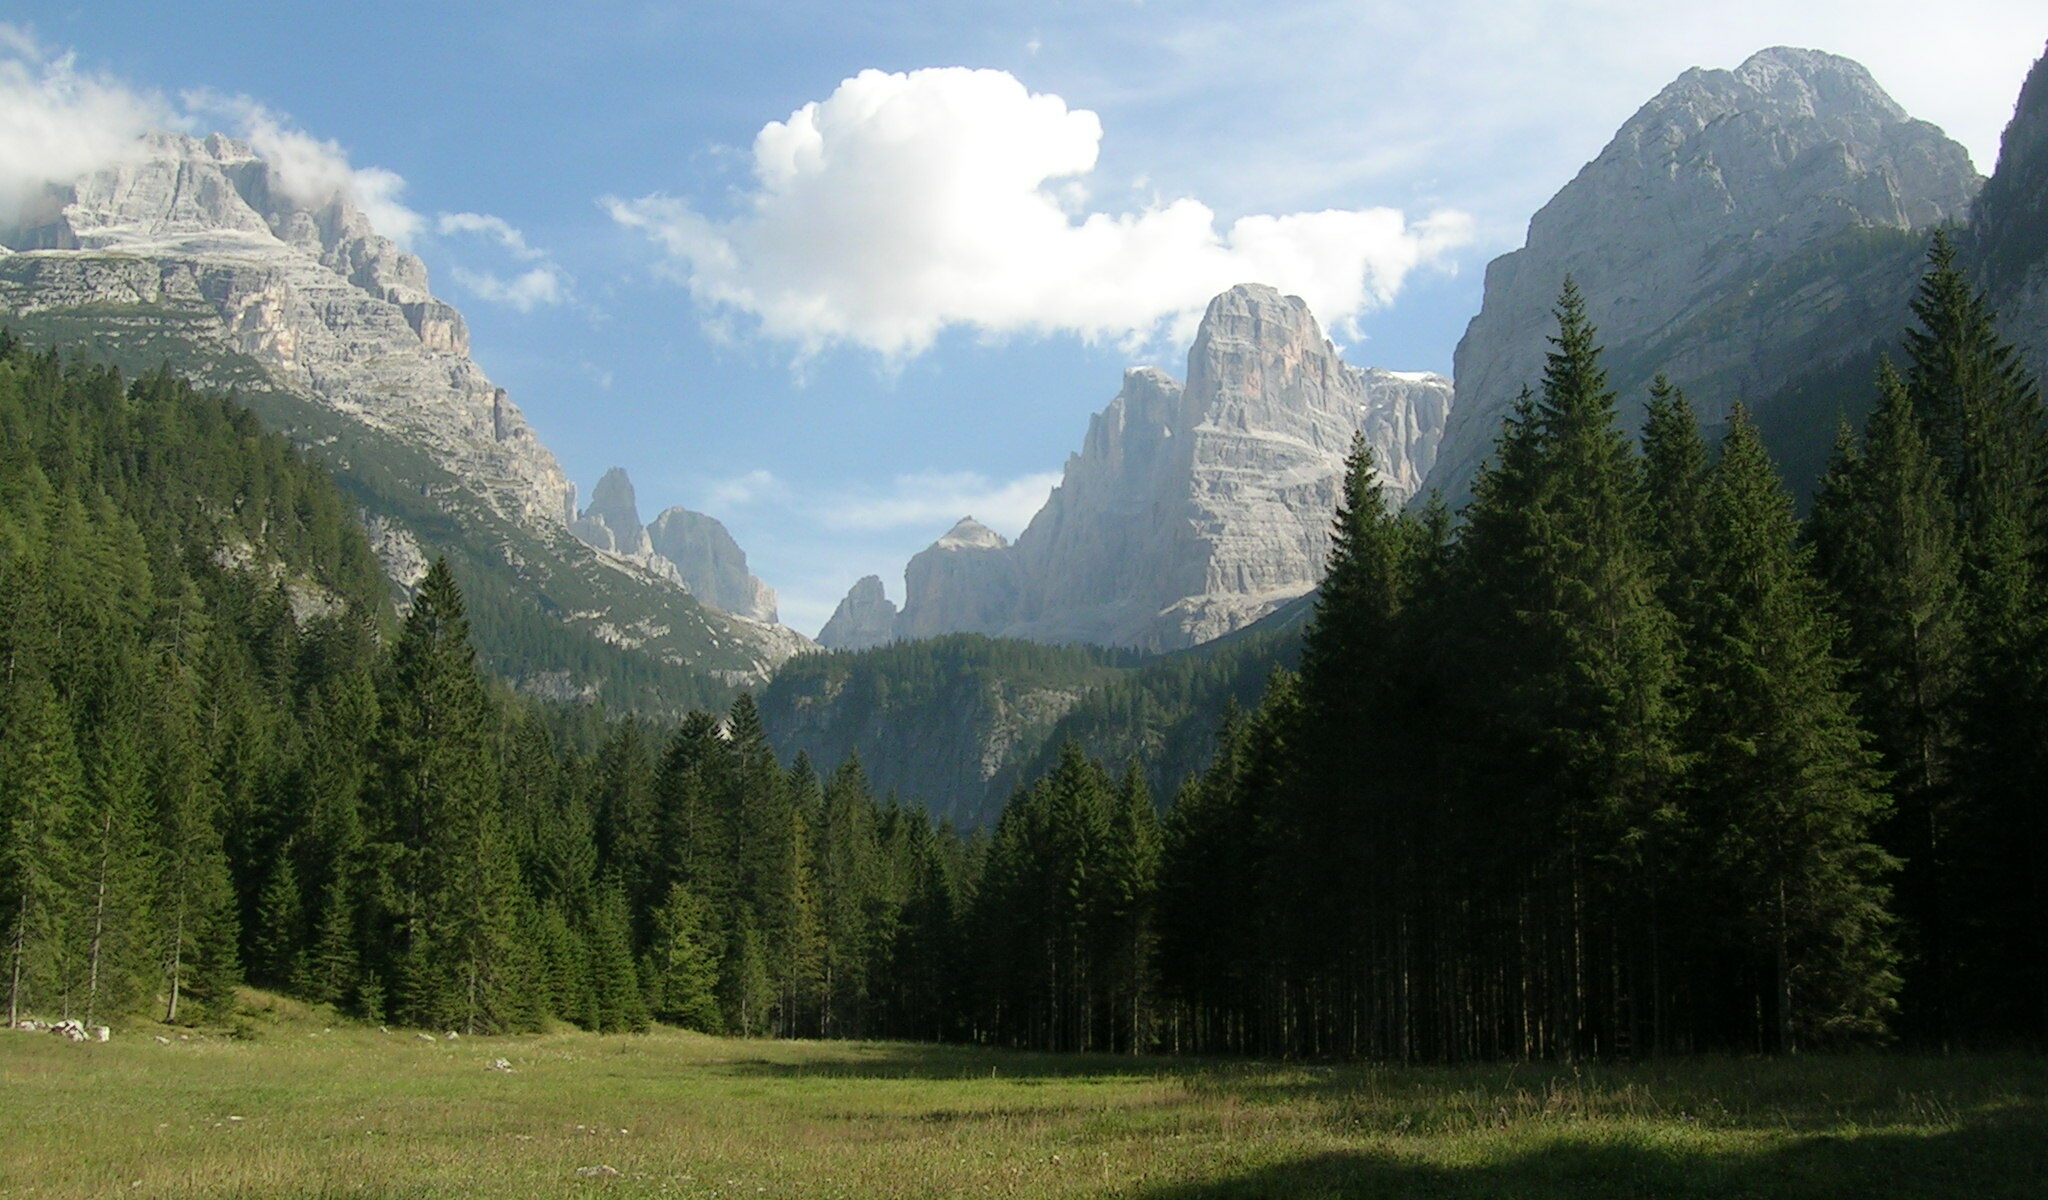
x,y
300,1106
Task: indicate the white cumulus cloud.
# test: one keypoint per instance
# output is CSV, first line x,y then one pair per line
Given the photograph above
x,y
907,203
58,123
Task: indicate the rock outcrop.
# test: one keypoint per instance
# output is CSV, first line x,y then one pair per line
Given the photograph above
x,y
688,548
966,582
1743,228
864,620
712,565
612,521
1189,511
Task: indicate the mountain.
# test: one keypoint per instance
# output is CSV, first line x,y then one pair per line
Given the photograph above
x,y
864,620
197,253
689,548
712,565
1754,234
1190,511
2007,244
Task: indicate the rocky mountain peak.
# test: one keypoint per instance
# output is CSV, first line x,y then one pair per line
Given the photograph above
x,y
296,280
613,501
864,620
1727,184
711,563
970,534
612,520
686,547
1188,511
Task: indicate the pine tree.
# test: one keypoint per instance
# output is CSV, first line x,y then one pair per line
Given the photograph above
x,y
280,937
1129,937
746,991
40,780
683,964
114,894
458,960
1791,794
849,897
199,923
1571,669
618,1006
1883,530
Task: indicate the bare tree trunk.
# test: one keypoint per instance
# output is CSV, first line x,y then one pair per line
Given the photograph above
x,y
99,917
19,948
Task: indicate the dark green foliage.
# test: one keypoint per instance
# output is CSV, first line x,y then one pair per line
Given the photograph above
x,y
1786,794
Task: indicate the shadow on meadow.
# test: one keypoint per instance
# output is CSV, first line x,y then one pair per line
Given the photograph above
x,y
2001,1158
906,1061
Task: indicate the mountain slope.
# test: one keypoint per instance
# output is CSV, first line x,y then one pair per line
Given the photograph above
x,y
195,253
2007,245
1747,232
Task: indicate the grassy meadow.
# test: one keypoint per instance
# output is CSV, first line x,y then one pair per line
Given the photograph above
x,y
297,1106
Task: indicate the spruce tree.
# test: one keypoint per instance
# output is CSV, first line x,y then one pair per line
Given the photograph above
x,y
1984,418
1572,671
40,781
682,964
1790,793
617,1003
458,960
197,906
1884,535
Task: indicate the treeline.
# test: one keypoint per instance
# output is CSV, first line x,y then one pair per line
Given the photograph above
x,y
1626,760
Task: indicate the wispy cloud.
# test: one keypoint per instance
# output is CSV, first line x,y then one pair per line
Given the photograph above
x,y
315,171
58,122
497,229
541,287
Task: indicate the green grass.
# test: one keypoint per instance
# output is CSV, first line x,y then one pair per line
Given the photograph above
x,y
298,1108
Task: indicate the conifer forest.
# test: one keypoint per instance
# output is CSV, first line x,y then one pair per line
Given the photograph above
x,y
1626,758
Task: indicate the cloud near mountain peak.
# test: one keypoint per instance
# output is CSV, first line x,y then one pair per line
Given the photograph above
x,y
907,203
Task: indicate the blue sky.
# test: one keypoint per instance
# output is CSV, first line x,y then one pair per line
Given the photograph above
x,y
838,328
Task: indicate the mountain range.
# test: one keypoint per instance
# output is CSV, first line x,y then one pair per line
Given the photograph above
x,y
1753,233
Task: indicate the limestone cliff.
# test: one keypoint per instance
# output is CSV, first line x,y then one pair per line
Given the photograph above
x,y
2007,245
864,620
712,565
1189,511
313,293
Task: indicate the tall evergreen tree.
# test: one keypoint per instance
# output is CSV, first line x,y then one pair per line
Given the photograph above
x,y
1984,418
1574,663
1885,540
458,960
1790,794
40,782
